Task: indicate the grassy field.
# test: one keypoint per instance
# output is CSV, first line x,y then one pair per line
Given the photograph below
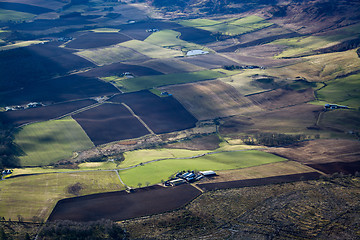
x,y
211,99
9,15
170,39
262,171
48,142
153,173
140,156
303,45
108,55
248,20
344,91
147,82
151,50
37,195
232,27
199,22
228,27
20,44
86,166
306,45
319,68
342,120
105,30
243,82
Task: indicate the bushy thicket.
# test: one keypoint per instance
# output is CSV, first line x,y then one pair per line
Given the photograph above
x,y
272,139
8,149
69,230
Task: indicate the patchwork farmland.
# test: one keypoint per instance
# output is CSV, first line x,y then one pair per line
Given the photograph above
x,y
101,107
162,115
110,122
97,40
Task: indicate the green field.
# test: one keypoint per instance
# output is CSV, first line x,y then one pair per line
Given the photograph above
x,y
229,27
109,55
20,44
147,82
105,30
37,195
199,22
306,45
170,39
151,50
9,15
343,91
153,173
248,20
48,142
140,156
319,68
303,45
342,120
86,166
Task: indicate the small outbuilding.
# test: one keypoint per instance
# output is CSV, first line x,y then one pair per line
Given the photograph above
x,y
208,173
177,182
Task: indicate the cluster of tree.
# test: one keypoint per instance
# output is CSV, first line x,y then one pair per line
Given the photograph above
x,y
233,67
8,149
272,139
75,189
102,229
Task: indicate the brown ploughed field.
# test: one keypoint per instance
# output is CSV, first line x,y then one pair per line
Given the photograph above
x,y
121,205
326,155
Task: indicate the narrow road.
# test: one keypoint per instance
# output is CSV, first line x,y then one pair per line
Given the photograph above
x,y
117,173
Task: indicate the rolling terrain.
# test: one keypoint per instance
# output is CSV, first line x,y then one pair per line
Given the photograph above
x,y
106,101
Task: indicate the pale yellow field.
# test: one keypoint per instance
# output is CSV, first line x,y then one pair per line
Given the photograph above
x,y
37,195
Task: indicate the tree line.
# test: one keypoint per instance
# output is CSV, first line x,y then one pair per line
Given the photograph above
x,y
272,139
9,151
63,229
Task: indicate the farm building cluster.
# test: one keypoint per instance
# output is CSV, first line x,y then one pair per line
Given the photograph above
x,y
6,173
335,106
188,177
22,107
